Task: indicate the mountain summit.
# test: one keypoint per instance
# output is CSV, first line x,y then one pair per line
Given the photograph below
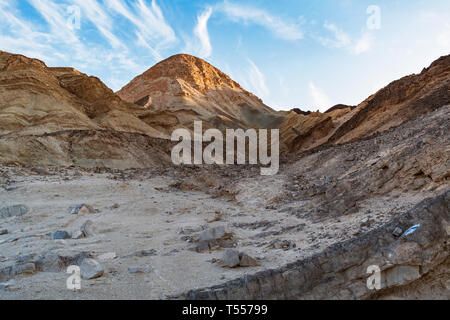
x,y
185,82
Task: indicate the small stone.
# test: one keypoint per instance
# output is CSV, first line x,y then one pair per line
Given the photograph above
x,y
397,232
285,244
247,261
202,246
78,235
3,232
139,269
24,268
61,235
14,211
7,285
144,253
81,209
231,258
212,234
91,269
87,228
107,256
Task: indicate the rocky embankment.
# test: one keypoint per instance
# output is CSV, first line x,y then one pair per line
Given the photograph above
x,y
340,271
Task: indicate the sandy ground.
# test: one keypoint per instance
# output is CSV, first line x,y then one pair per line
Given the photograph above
x,y
145,214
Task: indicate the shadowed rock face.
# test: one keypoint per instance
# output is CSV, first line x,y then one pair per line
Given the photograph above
x,y
397,103
339,107
400,101
340,271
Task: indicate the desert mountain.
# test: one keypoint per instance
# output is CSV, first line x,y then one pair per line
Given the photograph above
x,y
60,116
400,101
36,99
372,175
397,103
191,87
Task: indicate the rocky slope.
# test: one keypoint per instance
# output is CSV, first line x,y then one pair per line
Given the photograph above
x,y
35,99
41,106
351,182
184,82
399,102
60,116
311,231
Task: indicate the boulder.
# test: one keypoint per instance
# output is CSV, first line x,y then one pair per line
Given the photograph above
x,y
61,235
231,258
81,209
247,261
91,269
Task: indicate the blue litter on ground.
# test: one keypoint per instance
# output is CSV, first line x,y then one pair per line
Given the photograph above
x,y
411,230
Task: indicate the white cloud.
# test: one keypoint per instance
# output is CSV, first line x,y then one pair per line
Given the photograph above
x,y
363,44
342,40
250,15
54,39
152,31
320,99
97,16
256,81
201,31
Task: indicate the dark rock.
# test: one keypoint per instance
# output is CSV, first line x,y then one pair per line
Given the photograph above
x,y
143,253
247,261
61,235
397,232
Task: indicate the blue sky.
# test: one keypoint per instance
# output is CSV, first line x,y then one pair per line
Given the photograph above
x,y
304,54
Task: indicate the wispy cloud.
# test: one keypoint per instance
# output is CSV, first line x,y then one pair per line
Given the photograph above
x,y
200,44
53,38
320,99
280,27
102,21
341,39
201,31
363,44
257,81
152,31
